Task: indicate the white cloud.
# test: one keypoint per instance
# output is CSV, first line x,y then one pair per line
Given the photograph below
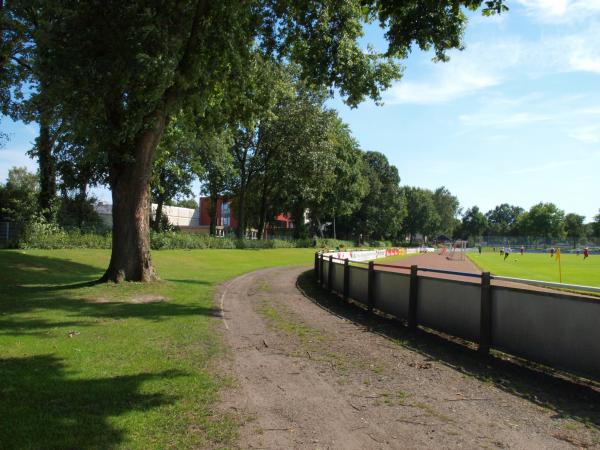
x,y
560,11
545,167
479,67
587,134
500,120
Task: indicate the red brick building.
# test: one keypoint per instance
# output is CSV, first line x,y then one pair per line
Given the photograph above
x,y
280,227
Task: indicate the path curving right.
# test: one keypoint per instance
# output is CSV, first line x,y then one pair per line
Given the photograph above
x,y
312,372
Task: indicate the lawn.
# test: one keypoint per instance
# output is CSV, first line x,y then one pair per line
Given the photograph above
x,y
115,366
540,266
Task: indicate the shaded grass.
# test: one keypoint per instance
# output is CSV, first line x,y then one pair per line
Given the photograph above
x,y
540,266
84,366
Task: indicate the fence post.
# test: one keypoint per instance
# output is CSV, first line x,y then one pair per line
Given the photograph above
x,y
413,295
346,279
321,269
485,330
330,274
317,266
371,287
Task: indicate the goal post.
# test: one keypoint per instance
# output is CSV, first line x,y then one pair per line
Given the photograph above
x,y
458,250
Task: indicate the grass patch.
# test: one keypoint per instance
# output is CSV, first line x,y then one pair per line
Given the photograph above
x,y
115,366
540,266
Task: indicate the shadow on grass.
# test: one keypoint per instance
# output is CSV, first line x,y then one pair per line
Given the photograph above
x,y
41,407
39,284
567,397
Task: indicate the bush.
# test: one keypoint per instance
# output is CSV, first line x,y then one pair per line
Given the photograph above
x,y
50,236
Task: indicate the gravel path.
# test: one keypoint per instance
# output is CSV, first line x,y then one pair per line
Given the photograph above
x,y
313,372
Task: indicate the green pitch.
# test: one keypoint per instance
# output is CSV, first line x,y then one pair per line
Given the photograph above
x,y
540,266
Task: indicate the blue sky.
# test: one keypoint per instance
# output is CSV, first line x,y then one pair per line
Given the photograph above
x,y
514,118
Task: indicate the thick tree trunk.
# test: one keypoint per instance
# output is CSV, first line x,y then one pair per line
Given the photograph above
x,y
130,184
47,169
212,211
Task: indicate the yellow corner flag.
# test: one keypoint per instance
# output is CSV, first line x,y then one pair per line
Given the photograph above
x,y
559,265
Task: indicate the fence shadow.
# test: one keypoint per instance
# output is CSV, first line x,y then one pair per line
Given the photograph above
x,y
566,395
41,406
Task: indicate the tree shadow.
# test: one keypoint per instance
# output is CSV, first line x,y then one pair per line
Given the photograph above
x,y
565,394
41,406
31,282
20,269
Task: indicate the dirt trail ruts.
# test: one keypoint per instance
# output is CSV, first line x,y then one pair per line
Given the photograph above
x,y
309,378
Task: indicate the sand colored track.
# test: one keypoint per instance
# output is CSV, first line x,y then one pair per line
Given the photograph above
x,y
313,372
435,261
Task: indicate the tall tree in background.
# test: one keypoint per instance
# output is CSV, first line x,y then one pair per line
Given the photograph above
x,y
503,219
422,216
348,185
216,169
474,224
21,67
544,220
383,209
120,71
18,196
574,227
300,142
596,225
447,207
174,168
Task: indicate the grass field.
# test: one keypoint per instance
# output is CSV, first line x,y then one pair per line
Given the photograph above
x,y
540,266
115,366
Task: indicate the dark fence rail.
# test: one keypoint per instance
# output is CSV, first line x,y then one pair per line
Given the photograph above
x,y
556,329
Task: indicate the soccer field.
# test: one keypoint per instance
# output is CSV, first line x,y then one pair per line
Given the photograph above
x,y
540,266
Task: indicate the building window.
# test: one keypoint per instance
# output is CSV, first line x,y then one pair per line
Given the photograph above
x,y
225,214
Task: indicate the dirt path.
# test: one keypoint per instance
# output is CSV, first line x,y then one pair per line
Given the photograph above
x,y
313,372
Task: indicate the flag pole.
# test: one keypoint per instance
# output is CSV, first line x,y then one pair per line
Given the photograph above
x,y
558,258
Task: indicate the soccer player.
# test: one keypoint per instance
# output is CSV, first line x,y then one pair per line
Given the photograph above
x,y
552,252
586,252
522,250
506,253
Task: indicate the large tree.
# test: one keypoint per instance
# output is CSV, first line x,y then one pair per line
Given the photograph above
x,y
421,213
503,219
216,170
447,207
596,225
574,227
383,209
174,167
474,224
120,71
544,220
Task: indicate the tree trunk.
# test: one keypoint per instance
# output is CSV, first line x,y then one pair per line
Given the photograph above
x,y
47,169
158,214
241,213
130,184
212,211
334,230
298,218
81,198
263,212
